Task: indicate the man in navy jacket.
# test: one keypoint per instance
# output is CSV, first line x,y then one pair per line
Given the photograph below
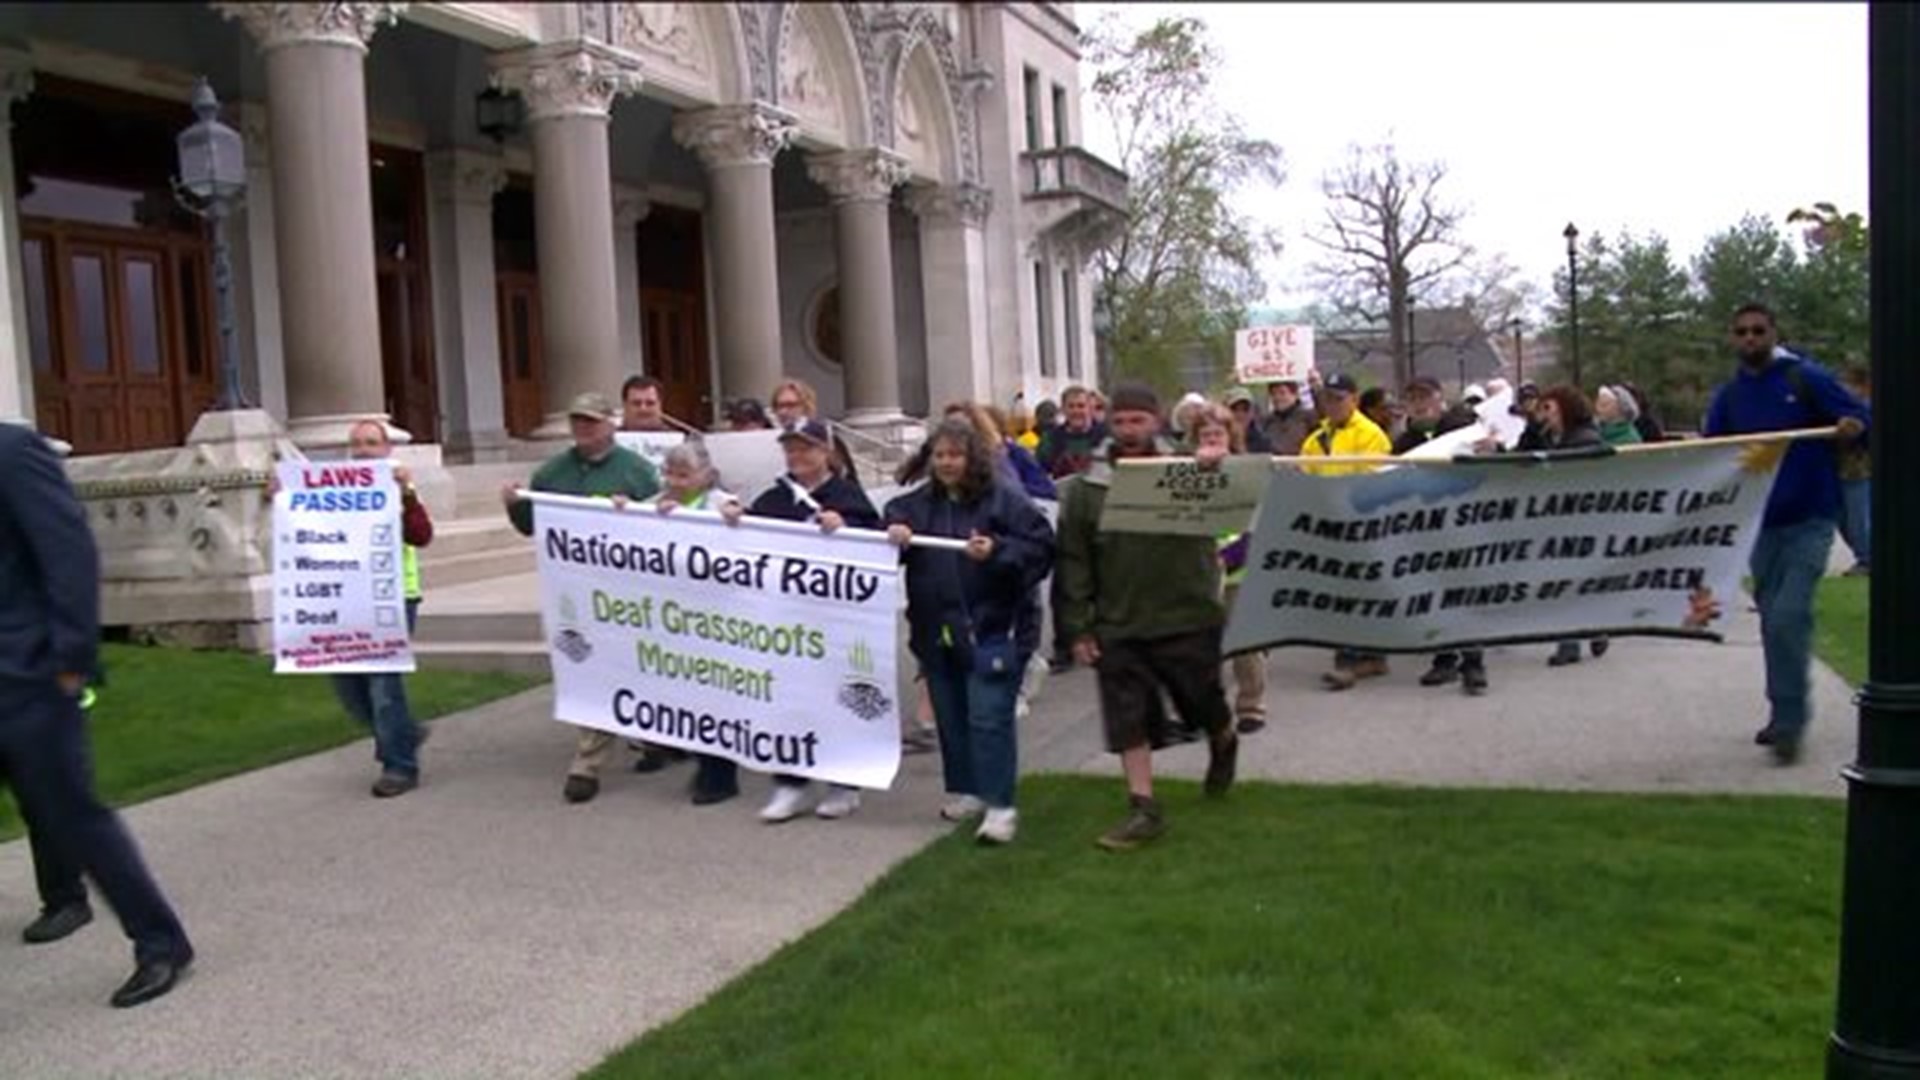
x,y
49,646
1776,390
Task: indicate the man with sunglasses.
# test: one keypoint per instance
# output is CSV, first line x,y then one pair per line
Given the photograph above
x,y
1775,389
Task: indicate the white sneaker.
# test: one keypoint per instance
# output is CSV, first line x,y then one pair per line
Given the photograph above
x,y
839,802
999,826
786,804
962,807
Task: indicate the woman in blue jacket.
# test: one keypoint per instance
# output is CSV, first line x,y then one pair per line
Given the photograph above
x,y
968,614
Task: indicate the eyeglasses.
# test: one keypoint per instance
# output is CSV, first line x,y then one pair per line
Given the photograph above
x,y
786,403
1750,331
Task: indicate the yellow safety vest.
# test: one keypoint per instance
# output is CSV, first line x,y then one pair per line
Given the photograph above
x,y
410,570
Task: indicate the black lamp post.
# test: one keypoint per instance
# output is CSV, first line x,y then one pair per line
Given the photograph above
x,y
1514,326
1876,1027
1573,294
213,176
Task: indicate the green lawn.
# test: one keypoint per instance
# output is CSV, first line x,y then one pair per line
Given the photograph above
x,y
1313,932
1840,626
169,719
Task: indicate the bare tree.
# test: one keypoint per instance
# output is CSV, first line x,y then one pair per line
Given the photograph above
x,y
1389,240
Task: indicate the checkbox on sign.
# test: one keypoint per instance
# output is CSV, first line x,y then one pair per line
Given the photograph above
x,y
382,536
383,589
383,562
386,615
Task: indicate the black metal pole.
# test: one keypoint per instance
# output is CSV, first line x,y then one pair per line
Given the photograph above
x,y
231,396
1876,1029
1573,308
1519,358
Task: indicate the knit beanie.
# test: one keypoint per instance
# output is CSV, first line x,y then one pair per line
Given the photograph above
x,y
1133,397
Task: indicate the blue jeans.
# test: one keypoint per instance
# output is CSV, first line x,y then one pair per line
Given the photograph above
x,y
1856,519
974,715
380,702
1788,562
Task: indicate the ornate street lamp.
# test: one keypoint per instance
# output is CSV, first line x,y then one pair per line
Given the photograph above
x,y
1573,294
213,177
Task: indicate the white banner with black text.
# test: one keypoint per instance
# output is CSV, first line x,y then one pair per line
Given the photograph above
x,y
769,643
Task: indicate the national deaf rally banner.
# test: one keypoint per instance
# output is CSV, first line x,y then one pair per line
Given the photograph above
x,y
1421,558
339,605
769,643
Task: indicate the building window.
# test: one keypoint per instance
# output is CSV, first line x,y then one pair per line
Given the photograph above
x,y
1043,320
1030,80
1070,304
1059,115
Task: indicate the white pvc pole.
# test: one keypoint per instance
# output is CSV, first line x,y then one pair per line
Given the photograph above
x,y
765,524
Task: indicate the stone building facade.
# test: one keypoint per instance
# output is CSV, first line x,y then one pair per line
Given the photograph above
x,y
459,215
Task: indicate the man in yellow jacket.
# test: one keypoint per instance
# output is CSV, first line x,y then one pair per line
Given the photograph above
x,y
1345,432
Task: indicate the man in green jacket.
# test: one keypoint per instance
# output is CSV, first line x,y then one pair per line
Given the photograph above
x,y
1144,611
594,465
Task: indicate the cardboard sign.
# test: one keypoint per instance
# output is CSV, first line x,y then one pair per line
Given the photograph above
x,y
1268,354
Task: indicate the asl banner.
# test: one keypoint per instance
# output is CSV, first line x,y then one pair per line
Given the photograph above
x,y
1420,558
338,604
768,643
1179,497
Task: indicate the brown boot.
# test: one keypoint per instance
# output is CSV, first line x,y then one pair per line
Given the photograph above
x,y
1370,667
1340,678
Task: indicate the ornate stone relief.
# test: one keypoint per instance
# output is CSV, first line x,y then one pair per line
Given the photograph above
x,y
630,207
350,24
469,177
734,135
858,175
578,79
948,204
756,28
806,87
669,33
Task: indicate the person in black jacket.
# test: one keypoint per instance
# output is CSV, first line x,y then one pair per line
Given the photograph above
x,y
1428,418
1566,423
49,648
812,490
973,621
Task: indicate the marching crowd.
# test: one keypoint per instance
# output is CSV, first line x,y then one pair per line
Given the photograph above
x,y
1145,611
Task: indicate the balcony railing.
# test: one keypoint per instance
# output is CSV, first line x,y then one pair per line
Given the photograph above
x,y
1072,171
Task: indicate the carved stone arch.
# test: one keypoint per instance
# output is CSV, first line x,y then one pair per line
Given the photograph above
x,y
921,37
817,76
693,52
923,120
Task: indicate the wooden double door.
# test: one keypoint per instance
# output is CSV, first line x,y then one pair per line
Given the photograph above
x,y
121,334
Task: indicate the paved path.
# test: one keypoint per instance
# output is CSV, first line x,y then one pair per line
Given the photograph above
x,y
482,928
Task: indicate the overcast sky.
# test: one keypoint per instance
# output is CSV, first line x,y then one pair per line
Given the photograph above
x,y
1675,118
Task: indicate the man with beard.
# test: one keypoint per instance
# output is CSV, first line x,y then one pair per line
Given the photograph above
x,y
1777,390
1144,610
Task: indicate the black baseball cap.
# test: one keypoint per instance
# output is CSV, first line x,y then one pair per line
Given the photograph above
x,y
812,431
1339,383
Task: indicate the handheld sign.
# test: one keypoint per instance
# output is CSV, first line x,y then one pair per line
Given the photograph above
x,y
339,605
1269,354
1177,497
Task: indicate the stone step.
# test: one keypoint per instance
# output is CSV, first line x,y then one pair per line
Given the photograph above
x,y
457,628
465,536
506,657
475,567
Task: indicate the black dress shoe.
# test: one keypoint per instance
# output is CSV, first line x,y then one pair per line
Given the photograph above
x,y
150,980
53,925
707,796
1764,737
581,789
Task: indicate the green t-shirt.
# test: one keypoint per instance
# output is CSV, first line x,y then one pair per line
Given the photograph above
x,y
621,472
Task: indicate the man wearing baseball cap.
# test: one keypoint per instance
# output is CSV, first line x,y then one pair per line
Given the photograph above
x,y
1239,402
1144,610
595,466
1428,417
1346,432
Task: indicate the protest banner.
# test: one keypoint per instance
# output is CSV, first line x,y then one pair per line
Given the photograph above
x,y
339,605
1177,496
652,445
1497,413
1485,552
769,643
1267,354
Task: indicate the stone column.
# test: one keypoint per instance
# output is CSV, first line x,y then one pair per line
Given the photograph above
x,y
323,209
16,368
861,184
630,208
569,91
256,295
953,278
737,144
461,185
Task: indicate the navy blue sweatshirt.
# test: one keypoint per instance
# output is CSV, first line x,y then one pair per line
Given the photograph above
x,y
49,566
838,494
1808,487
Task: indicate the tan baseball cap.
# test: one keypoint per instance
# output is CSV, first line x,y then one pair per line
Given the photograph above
x,y
593,406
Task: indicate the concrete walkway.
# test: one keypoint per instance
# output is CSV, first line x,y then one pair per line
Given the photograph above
x,y
480,927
